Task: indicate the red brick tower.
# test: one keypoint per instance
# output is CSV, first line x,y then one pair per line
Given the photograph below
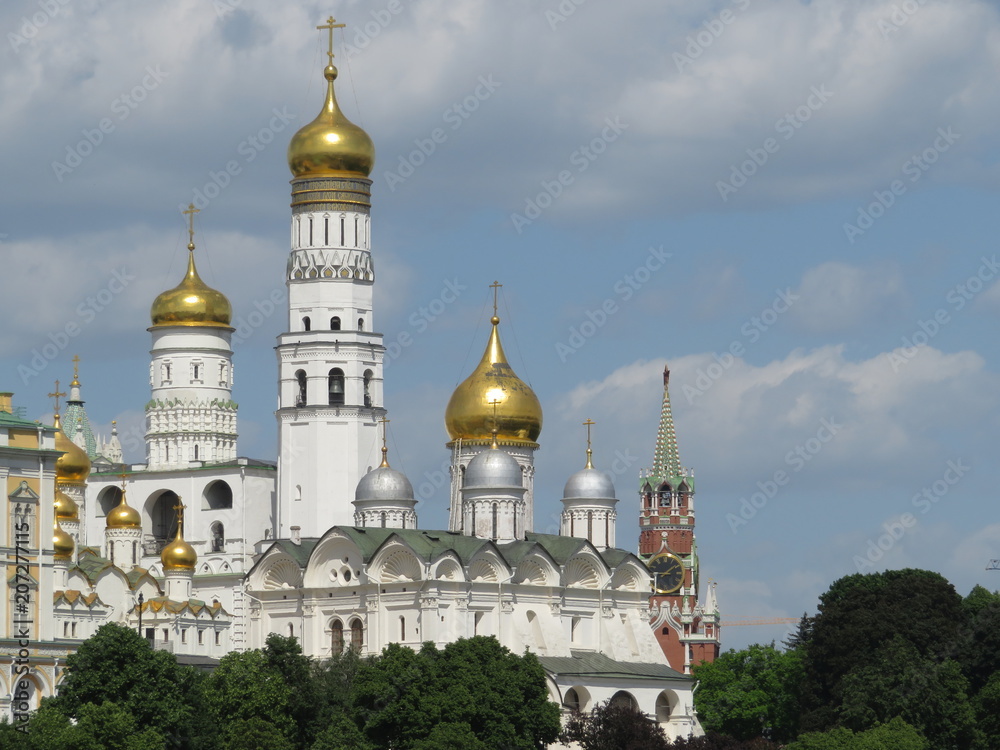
x,y
688,631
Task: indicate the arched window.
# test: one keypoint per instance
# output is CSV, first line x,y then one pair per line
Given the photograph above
x,y
536,631
135,560
590,525
196,453
382,514
300,377
334,323
306,324
217,496
337,638
335,386
572,700
494,534
218,537
368,383
402,628
357,635
361,324
291,630
624,699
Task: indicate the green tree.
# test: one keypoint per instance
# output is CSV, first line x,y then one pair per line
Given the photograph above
x,y
894,735
401,696
987,705
305,701
611,726
920,605
802,634
750,693
254,734
247,689
341,733
117,666
977,648
716,741
900,682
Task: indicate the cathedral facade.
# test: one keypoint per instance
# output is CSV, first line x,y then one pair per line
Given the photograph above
x,y
206,552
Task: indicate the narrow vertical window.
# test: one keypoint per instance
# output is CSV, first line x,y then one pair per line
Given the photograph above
x,y
342,244
310,231
300,378
336,387
494,535
306,324
337,640
356,242
326,231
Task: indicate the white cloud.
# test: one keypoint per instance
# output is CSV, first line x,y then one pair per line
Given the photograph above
x,y
837,297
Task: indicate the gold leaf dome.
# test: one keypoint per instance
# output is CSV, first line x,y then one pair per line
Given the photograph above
x,y
62,543
469,415
66,507
124,516
192,302
331,144
73,466
178,555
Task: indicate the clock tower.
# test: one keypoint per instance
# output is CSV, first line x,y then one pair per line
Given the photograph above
x,y
686,628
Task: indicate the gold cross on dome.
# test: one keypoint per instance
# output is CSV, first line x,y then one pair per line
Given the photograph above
x,y
180,513
190,212
495,286
76,367
57,395
588,424
330,25
385,445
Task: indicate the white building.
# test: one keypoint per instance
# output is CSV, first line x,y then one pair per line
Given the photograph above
x,y
325,544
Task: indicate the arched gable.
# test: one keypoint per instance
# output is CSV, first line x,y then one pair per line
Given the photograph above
x,y
630,575
112,587
395,561
335,561
487,565
585,570
448,568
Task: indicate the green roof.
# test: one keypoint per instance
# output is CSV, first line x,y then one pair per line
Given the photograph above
x,y
592,664
9,420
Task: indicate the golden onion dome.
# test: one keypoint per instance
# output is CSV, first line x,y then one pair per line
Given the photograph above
x,y
62,543
470,411
192,302
66,507
178,555
124,516
331,144
73,466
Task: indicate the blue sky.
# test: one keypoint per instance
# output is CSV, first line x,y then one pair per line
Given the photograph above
x,y
792,203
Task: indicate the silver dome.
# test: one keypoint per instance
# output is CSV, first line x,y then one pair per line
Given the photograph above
x,y
589,483
494,467
384,483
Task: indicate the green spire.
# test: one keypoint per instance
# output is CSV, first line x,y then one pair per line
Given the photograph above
x,y
666,459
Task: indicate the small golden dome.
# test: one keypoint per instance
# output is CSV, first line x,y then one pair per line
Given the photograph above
x,y
192,302
66,507
73,466
331,144
178,555
469,415
62,543
124,516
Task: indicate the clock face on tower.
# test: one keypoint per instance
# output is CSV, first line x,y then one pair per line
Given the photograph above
x,y
668,573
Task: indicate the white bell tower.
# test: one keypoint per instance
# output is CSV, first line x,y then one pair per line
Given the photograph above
x,y
330,358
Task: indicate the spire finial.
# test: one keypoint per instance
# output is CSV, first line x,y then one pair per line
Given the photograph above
x,y
495,402
385,446
57,395
122,477
180,516
330,25
190,212
495,286
76,369
588,424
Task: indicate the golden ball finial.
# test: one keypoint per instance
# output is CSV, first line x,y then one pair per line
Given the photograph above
x,y
192,302
494,388
62,543
331,144
73,466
